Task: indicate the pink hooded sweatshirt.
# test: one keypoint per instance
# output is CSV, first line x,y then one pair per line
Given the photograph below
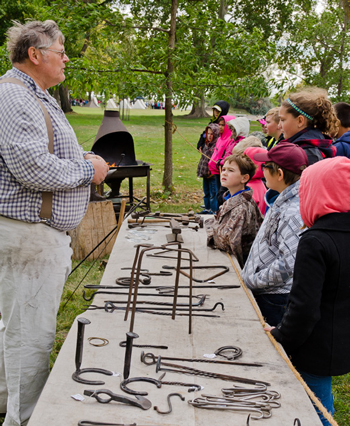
x,y
324,189
241,126
220,146
255,183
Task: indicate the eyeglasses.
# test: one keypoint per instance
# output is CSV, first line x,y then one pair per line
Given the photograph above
x,y
266,166
60,52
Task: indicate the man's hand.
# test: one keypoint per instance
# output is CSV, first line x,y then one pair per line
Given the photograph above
x,y
90,156
101,169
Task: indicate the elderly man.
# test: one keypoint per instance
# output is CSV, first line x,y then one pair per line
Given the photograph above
x,y
35,257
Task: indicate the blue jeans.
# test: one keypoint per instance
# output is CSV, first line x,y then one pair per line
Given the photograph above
x,y
272,306
209,189
218,182
321,386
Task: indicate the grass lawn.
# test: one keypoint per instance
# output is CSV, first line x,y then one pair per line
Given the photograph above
x,y
147,129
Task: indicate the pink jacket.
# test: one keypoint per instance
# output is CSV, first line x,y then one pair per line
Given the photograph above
x,y
256,184
220,146
324,189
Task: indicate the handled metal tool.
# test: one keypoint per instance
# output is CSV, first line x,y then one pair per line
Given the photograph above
x,y
139,401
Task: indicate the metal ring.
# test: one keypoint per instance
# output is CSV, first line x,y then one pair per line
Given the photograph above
x,y
104,341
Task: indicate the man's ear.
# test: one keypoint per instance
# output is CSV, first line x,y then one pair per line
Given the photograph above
x,y
33,55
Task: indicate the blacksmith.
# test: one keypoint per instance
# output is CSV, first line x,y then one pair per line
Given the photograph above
x,y
35,257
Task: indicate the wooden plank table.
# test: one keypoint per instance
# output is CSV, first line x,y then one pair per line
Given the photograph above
x,y
238,325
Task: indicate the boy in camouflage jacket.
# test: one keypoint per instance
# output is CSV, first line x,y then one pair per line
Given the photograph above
x,y
237,222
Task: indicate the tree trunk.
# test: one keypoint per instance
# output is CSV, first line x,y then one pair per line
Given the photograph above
x,y
64,96
56,95
346,5
168,149
198,108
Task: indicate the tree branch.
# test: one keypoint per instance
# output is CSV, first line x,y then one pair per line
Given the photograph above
x,y
117,70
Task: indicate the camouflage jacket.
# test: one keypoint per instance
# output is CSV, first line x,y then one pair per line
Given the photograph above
x,y
235,226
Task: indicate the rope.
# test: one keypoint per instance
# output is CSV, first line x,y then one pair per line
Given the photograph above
x,y
114,232
277,346
175,129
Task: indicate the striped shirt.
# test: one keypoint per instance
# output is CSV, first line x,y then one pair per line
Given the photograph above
x,y
26,166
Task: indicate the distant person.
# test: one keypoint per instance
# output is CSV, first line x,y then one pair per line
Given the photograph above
x,y
262,121
315,330
273,127
209,184
220,108
236,224
308,119
219,150
239,128
268,272
256,183
342,142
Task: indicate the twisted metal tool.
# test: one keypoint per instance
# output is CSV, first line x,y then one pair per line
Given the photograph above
x,y
176,368
169,403
150,359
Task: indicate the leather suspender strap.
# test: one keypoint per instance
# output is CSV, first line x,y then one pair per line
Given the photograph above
x,y
46,205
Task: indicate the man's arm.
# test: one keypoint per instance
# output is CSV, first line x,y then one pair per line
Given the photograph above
x,y
24,149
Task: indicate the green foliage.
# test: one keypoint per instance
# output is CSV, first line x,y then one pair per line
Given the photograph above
x,y
318,47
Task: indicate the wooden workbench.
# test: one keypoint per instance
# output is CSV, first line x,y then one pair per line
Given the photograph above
x,y
238,325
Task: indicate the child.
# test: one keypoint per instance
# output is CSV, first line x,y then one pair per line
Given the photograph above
x,y
220,108
220,147
239,128
307,119
315,329
256,183
268,271
342,143
273,127
234,228
209,184
250,141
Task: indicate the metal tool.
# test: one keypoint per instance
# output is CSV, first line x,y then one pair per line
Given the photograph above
x,y
140,401
223,267
91,423
202,298
110,308
123,344
261,413
150,359
169,403
116,293
158,382
162,255
82,322
176,368
175,232
128,351
234,352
